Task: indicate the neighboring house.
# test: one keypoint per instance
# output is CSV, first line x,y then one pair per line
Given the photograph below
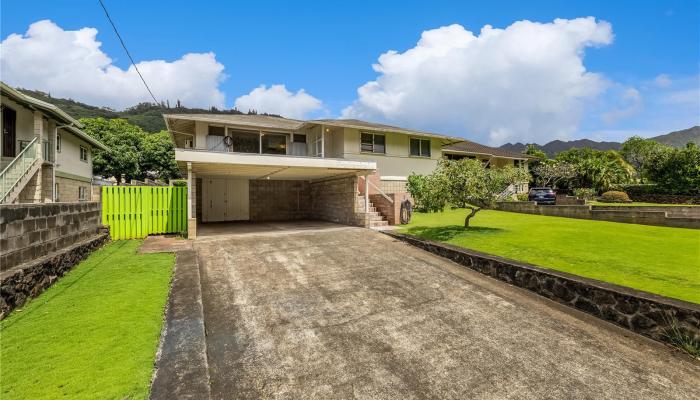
x,y
490,156
45,155
258,168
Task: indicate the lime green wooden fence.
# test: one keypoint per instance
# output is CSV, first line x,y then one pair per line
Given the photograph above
x,y
133,212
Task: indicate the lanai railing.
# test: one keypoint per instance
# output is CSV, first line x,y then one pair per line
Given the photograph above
x,y
17,169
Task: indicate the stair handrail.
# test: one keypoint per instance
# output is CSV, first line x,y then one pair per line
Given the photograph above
x,y
378,190
30,151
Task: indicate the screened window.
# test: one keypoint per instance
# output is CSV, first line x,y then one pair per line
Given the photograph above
x,y
274,143
216,130
244,141
58,143
420,147
83,154
373,143
82,193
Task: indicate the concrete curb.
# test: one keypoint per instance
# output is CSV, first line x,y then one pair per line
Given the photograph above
x,y
182,369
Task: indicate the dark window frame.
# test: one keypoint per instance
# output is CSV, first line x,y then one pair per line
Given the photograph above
x,y
367,147
421,144
84,150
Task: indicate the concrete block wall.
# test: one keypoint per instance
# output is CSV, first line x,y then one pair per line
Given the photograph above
x,y
272,200
30,231
334,200
628,215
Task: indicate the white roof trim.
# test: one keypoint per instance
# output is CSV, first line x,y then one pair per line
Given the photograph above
x,y
210,157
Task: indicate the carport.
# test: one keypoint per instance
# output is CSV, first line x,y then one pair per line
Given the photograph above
x,y
226,187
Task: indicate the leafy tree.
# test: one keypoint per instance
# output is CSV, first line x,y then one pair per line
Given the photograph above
x,y
534,151
676,171
596,169
158,157
468,183
553,171
133,153
638,151
124,143
426,192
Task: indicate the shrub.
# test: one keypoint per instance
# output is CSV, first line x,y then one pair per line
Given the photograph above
x,y
585,193
522,197
615,197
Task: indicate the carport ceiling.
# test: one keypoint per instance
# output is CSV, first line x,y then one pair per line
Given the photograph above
x,y
271,172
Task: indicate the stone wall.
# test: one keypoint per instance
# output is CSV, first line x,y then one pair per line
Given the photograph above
x,y
640,312
30,231
671,211
334,200
19,284
627,215
664,198
39,189
272,200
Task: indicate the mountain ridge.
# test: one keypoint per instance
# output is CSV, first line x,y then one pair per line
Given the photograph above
x,y
673,139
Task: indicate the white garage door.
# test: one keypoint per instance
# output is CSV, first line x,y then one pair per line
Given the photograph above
x,y
225,199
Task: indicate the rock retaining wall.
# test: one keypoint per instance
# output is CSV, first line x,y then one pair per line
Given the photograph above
x,y
628,215
19,284
640,312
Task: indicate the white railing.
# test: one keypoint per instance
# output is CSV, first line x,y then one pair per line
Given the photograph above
x,y
380,191
18,168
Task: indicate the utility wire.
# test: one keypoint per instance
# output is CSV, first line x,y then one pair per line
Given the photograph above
x,y
127,52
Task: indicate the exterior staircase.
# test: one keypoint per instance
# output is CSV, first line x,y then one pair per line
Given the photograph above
x,y
19,172
373,217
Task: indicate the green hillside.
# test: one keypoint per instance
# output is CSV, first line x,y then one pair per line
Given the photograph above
x,y
148,116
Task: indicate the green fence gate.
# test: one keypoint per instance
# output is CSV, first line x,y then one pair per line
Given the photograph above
x,y
133,212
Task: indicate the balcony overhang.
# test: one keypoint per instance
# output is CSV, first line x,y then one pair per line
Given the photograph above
x,y
267,166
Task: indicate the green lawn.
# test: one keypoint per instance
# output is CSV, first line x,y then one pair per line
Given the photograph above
x,y
92,335
651,258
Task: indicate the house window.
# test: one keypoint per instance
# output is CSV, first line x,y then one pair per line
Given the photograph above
x,y
518,163
58,143
373,143
55,191
274,143
420,147
83,153
299,138
82,193
244,141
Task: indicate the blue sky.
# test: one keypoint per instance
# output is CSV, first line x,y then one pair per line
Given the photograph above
x,y
328,48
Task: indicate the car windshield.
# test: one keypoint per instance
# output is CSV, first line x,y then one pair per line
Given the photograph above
x,y
541,190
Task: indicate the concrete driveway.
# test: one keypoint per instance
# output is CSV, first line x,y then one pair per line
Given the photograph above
x,y
340,312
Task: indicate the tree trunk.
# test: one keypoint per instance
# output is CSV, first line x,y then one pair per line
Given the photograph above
x,y
470,215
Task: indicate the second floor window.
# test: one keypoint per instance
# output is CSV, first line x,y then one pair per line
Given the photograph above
x,y
83,153
420,147
58,143
373,143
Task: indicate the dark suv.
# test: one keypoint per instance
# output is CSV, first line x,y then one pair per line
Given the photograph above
x,y
542,195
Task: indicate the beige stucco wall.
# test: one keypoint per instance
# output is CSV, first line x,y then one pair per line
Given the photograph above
x,y
397,160
68,159
25,122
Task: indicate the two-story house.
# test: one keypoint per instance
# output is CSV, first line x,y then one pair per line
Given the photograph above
x,y
262,168
45,157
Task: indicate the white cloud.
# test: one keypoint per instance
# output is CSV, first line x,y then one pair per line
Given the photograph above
x,y
631,104
526,82
278,100
71,64
662,81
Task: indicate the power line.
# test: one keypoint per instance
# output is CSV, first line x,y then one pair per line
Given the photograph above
x,y
127,52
